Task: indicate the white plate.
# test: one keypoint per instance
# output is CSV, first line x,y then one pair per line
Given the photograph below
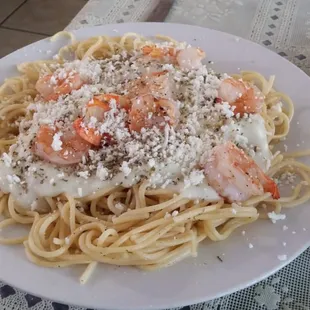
x,y
205,277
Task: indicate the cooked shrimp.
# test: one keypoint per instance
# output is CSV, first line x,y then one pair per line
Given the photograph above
x,y
236,176
158,52
69,150
91,135
51,87
97,107
147,112
157,84
190,58
100,104
187,58
244,97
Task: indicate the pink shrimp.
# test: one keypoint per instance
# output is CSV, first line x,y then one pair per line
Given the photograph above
x,y
97,107
51,87
147,111
101,104
71,146
241,95
151,102
187,58
157,84
236,176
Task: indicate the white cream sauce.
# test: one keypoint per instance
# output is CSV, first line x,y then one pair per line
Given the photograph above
x,y
79,187
251,133
201,191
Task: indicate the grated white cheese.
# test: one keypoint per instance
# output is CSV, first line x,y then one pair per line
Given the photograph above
x,y
226,109
125,168
195,177
282,257
61,175
287,178
151,163
175,213
83,174
274,217
57,143
7,159
102,173
34,205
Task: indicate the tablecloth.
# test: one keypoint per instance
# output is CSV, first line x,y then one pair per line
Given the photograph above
x,y
280,25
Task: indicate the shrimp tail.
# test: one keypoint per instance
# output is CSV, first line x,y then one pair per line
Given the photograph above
x,y
270,186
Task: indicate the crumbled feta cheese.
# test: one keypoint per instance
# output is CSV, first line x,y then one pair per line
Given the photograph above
x,y
195,177
83,174
34,205
60,175
125,168
151,163
276,217
53,80
52,181
251,245
285,227
282,257
243,232
226,109
175,213
7,159
57,143
102,173
92,122
287,178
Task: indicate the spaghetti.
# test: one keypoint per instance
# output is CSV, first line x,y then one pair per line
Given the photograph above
x,y
136,225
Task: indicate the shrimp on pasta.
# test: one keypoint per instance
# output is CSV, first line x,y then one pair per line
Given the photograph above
x,y
236,176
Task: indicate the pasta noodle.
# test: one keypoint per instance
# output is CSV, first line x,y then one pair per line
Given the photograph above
x,y
143,235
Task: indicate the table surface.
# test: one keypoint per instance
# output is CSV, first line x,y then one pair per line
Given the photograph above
x,y
280,25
